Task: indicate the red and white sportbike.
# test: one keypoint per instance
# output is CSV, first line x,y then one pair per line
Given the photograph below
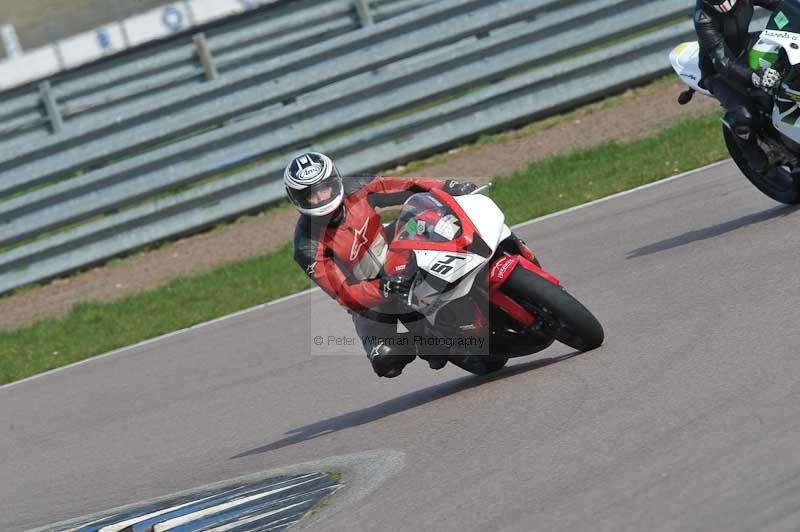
x,y
473,279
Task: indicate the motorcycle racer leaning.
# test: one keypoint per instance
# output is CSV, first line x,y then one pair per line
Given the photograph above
x,y
341,244
723,33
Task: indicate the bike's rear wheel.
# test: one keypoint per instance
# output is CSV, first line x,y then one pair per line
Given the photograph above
x,y
560,314
777,182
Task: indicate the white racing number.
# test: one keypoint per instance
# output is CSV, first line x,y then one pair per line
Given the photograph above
x,y
446,264
449,266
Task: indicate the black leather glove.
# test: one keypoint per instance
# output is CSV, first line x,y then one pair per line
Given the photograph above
x,y
396,286
459,188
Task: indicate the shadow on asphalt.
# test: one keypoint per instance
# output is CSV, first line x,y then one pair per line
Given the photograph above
x,y
398,404
713,231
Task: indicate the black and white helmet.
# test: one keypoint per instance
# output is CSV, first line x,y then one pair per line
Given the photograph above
x,y
313,184
723,6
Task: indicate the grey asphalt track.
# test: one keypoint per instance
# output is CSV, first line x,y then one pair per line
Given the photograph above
x,y
688,418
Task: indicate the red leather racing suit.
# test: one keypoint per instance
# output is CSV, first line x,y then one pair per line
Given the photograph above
x,y
345,256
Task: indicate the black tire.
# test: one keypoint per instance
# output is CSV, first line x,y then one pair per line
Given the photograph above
x,y
494,364
777,182
479,364
563,316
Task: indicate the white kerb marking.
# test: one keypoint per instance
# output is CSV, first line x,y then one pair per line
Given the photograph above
x,y
118,527
188,518
254,518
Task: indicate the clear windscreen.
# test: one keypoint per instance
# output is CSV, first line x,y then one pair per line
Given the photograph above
x,y
319,194
425,218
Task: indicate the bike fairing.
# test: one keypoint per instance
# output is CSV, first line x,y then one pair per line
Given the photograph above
x,y
782,35
448,268
480,280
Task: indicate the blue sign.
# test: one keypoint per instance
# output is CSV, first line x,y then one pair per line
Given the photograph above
x,y
104,39
172,18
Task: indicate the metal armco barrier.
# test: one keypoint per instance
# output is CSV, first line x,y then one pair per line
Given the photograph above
x,y
159,144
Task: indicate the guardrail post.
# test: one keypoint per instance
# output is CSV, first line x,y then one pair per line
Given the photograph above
x,y
364,14
10,41
206,58
116,12
189,11
51,106
52,37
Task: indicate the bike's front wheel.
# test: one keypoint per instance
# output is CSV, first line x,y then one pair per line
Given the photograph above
x,y
560,314
777,182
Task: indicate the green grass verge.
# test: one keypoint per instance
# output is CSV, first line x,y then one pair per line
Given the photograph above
x,y
94,328
565,181
543,187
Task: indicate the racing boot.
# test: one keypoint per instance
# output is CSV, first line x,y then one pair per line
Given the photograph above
x,y
744,126
387,361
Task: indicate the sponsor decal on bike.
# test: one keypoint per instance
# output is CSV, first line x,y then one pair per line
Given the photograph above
x,y
792,95
411,226
502,273
447,227
501,267
781,35
763,55
781,20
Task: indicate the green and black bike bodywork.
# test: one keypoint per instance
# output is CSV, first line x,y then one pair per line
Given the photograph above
x,y
778,47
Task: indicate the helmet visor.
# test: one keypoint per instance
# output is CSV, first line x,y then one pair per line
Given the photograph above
x,y
319,195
